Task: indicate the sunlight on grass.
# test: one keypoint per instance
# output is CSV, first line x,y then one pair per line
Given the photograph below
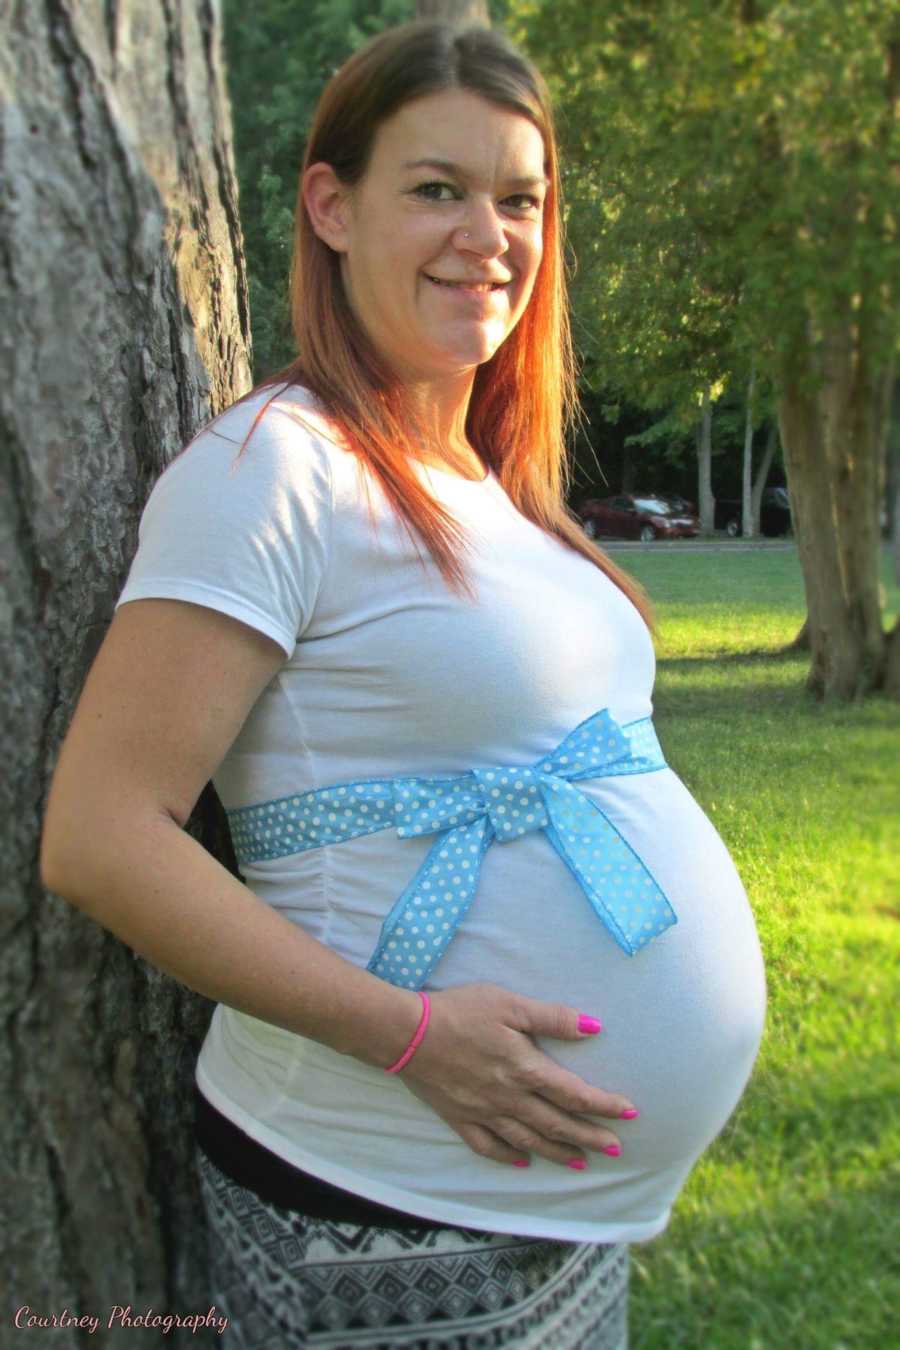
x,y
787,1232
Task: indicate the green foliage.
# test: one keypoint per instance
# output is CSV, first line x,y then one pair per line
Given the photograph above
x,y
724,170
280,55
786,1233
728,178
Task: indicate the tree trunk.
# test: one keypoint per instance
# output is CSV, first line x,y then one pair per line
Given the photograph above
x,y
892,662
892,479
747,480
832,412
762,476
127,326
456,11
705,498
629,469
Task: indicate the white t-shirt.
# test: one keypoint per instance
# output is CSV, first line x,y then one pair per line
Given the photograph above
x,y
388,673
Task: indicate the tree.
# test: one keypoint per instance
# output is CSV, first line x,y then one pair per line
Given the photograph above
x,y
706,500
277,68
732,180
127,328
762,474
747,514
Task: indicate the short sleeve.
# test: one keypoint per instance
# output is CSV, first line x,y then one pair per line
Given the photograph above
x,y
246,534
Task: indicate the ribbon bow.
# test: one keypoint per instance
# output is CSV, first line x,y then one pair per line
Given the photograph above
x,y
503,803
468,812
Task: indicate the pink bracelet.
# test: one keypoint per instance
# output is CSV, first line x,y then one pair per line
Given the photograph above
x,y
417,1039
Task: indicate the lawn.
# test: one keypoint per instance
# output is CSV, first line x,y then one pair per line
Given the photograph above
x,y
787,1233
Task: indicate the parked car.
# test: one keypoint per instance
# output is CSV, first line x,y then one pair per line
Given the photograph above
x,y
643,516
774,514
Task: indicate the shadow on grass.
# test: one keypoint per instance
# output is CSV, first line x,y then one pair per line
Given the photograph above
x,y
788,655
732,683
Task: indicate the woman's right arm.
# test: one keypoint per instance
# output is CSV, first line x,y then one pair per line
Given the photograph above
x,y
167,694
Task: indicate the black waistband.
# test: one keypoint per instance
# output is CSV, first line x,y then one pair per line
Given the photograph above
x,y
278,1182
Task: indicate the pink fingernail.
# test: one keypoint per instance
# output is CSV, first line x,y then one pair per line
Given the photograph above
x,y
589,1025
578,1163
630,1113
521,1162
612,1149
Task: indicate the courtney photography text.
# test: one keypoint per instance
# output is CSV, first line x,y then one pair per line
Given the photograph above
x,y
27,1319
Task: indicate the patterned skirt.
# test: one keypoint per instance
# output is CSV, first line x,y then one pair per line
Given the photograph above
x,y
285,1280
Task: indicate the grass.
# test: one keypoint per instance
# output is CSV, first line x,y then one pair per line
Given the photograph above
x,y
786,1234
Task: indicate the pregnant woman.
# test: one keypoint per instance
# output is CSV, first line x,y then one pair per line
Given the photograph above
x,y
360,606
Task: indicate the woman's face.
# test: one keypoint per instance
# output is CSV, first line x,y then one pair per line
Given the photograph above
x,y
453,194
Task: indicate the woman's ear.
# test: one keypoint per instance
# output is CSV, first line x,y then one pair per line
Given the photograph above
x,y
327,203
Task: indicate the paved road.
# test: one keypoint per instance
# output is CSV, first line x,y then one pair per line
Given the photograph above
x,y
721,544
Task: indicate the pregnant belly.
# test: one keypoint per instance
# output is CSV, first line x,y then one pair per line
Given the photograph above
x,y
683,1018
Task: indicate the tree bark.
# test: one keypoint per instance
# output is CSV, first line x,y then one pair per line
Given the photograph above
x,y
706,500
456,11
832,413
747,479
127,327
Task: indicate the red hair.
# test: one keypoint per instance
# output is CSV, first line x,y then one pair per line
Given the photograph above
x,y
523,400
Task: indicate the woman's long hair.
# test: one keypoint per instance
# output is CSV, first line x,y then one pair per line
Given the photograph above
x,y
524,400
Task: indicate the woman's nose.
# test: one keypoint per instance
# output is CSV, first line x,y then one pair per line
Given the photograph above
x,y
483,231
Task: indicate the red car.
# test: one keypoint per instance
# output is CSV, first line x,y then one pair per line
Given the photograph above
x,y
639,516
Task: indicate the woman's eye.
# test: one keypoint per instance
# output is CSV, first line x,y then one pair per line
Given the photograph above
x,y
524,202
430,191
521,202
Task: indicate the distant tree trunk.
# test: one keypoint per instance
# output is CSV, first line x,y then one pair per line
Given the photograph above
x,y
762,475
126,326
747,480
456,11
629,469
706,500
892,479
833,413
892,661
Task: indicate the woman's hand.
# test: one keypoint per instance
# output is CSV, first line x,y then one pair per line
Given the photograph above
x,y
479,1069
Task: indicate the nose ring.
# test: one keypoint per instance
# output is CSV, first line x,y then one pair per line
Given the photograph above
x,y
466,234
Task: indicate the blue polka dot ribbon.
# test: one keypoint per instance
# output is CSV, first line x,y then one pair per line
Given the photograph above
x,y
468,812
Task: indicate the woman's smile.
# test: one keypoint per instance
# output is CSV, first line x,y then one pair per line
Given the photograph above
x,y
485,295
474,287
